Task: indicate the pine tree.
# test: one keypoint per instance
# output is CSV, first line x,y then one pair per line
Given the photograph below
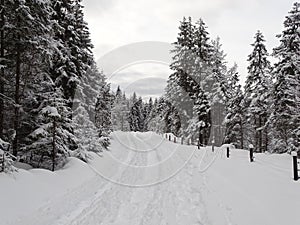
x,y
183,60
258,84
49,144
285,109
218,91
45,54
203,51
136,118
234,119
103,115
120,112
2,66
73,54
185,90
24,44
85,129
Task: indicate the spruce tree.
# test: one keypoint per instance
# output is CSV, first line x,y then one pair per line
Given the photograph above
x,y
103,115
120,112
136,118
25,45
285,109
257,94
234,119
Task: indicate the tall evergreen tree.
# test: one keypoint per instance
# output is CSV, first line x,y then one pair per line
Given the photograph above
x,y
84,112
136,117
285,110
257,94
234,119
103,114
25,45
120,112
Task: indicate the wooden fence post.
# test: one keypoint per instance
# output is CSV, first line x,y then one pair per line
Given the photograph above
x,y
213,145
182,140
295,165
227,152
251,149
3,163
174,139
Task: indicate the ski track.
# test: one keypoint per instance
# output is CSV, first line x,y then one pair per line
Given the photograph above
x,y
178,200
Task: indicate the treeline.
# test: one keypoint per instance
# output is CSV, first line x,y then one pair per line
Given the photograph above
x,y
50,85
134,114
205,101
210,103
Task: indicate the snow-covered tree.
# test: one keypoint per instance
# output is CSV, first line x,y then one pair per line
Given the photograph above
x,y
182,61
25,42
53,140
218,92
257,93
234,119
103,115
72,55
136,117
285,110
85,129
203,52
186,86
6,159
120,112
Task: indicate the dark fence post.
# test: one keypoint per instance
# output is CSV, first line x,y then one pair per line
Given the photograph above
x,y
227,152
3,163
182,140
251,150
174,139
295,165
198,144
169,137
213,145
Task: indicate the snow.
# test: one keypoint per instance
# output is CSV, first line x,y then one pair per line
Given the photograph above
x,y
145,179
51,111
21,165
3,145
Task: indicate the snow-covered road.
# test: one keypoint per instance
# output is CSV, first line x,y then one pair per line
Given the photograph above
x,y
145,179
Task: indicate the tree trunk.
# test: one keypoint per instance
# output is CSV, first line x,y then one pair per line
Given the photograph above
x,y
54,145
260,134
242,134
17,103
266,140
2,71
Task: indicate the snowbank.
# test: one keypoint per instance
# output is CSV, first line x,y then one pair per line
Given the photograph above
x,y
25,191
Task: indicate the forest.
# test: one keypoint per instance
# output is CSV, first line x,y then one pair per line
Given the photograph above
x,y
55,102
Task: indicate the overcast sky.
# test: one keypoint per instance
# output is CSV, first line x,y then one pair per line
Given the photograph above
x,y
115,23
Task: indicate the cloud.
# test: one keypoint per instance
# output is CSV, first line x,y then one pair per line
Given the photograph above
x,y
146,79
114,23
147,87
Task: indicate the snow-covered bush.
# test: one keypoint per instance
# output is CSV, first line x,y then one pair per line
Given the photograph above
x,y
6,162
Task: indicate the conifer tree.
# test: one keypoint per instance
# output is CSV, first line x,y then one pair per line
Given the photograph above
x,y
258,84
285,109
103,115
136,118
120,112
234,119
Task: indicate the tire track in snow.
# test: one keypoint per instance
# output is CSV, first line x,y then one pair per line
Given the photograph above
x,y
108,207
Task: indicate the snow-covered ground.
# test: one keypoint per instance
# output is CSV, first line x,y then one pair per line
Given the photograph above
x,y
145,179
